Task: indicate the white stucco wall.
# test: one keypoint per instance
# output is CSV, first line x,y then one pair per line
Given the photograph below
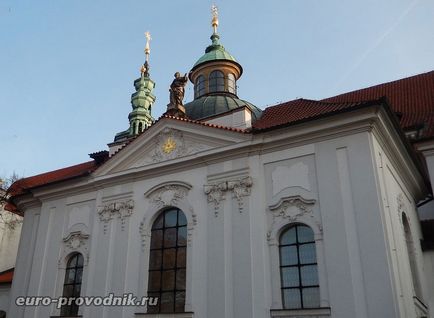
x,y
397,202
10,230
332,184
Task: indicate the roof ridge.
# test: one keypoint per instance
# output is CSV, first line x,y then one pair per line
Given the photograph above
x,y
380,84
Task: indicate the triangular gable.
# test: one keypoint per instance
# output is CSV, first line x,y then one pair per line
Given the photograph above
x,y
170,140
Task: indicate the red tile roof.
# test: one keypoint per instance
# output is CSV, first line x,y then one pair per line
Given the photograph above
x,y
413,97
205,124
7,276
300,110
82,169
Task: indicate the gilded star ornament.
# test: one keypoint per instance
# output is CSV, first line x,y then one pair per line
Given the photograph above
x,y
169,145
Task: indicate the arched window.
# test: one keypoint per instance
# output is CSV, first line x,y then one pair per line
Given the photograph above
x,y
72,283
200,86
167,261
298,268
231,84
134,129
216,82
411,256
140,127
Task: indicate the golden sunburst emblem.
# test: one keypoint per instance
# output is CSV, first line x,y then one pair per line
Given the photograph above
x,y
169,145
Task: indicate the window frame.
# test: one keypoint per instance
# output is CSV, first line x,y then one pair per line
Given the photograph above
x,y
216,83
183,267
300,287
72,310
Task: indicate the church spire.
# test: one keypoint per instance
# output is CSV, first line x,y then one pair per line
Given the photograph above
x,y
142,100
215,23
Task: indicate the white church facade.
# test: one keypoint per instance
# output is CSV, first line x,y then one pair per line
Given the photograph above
x,y
305,209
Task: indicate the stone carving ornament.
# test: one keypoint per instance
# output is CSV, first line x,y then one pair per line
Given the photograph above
x,y
171,144
239,187
119,209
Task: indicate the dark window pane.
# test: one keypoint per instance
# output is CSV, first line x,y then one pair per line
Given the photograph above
x,y
77,290
74,310
170,218
288,255
307,253
311,297
180,279
154,281
288,237
156,239
167,262
182,236
309,275
179,301
216,81
70,276
181,260
80,260
305,234
170,237
155,260
168,282
200,86
169,258
158,224
68,291
72,261
65,311
182,220
155,308
290,277
291,298
79,275
167,302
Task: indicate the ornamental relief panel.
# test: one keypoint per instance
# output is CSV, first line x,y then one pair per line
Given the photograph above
x,y
291,209
76,241
165,195
240,188
171,144
121,209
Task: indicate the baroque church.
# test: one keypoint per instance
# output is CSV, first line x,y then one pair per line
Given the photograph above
x,y
309,208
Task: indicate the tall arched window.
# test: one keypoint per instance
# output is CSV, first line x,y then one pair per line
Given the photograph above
x,y
167,261
411,256
216,82
140,127
200,86
231,84
298,268
72,283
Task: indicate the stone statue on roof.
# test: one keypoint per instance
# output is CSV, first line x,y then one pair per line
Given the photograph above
x,y
177,91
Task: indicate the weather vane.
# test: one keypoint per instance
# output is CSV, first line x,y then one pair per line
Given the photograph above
x,y
147,47
145,67
215,18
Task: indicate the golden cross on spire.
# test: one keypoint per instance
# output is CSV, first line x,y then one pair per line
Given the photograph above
x,y
147,47
215,18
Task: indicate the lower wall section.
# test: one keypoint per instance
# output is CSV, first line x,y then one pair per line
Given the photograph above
x,y
299,313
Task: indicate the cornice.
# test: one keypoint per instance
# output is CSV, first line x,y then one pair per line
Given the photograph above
x,y
399,154
345,124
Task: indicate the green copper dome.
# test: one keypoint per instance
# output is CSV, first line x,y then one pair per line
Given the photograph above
x,y
211,105
215,52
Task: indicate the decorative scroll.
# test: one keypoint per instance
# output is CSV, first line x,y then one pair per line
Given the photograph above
x,y
216,192
119,209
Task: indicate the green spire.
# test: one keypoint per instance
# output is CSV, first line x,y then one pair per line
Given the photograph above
x,y
142,100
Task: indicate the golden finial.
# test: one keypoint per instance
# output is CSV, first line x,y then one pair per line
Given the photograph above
x,y
147,47
215,18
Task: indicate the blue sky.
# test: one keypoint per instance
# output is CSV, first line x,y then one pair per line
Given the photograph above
x,y
67,66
